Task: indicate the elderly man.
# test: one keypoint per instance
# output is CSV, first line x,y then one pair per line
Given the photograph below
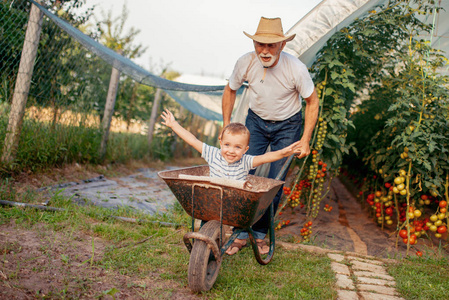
x,y
277,83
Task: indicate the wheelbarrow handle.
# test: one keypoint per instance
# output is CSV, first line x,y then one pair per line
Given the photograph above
x,y
285,167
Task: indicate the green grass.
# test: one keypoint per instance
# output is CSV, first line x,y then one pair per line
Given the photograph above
x,y
422,277
43,146
291,274
144,249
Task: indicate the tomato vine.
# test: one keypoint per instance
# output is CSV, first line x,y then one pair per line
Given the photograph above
x,y
384,105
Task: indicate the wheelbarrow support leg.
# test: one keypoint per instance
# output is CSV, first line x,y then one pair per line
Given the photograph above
x,y
267,260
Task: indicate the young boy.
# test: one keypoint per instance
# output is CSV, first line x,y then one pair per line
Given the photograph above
x,y
230,161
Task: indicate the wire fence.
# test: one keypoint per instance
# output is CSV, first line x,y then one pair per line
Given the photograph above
x,y
67,84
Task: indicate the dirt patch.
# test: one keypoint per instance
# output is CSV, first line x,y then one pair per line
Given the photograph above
x,y
348,227
42,263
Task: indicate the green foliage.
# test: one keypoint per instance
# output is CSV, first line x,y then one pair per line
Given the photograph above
x,y
384,104
354,59
407,108
43,145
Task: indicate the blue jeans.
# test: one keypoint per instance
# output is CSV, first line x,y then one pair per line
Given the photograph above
x,y
277,135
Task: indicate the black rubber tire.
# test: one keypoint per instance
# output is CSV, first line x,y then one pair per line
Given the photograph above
x,y
203,267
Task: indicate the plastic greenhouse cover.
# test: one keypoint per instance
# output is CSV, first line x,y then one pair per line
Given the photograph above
x,y
330,16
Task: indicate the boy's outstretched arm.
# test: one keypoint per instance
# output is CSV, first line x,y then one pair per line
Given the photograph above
x,y
276,155
188,137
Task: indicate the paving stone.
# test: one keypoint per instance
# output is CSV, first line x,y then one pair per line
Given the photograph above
x,y
336,257
378,289
340,268
344,282
374,296
367,280
369,261
372,274
347,295
358,265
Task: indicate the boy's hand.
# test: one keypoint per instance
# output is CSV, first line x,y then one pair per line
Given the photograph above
x,y
293,149
169,119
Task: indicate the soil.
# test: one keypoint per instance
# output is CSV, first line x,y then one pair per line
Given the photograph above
x,y
349,227
33,263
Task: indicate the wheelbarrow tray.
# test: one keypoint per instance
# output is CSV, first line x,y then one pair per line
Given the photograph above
x,y
204,200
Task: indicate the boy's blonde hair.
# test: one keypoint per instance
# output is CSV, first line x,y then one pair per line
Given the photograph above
x,y
235,128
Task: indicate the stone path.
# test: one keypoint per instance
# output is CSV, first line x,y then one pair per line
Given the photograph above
x,y
362,278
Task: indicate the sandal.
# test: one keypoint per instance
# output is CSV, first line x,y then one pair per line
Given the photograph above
x,y
239,246
261,244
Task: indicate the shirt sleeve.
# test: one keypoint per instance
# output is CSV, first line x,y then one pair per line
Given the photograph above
x,y
238,76
248,161
304,83
209,152
205,153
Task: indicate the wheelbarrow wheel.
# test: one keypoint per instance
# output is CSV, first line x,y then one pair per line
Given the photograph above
x,y
203,267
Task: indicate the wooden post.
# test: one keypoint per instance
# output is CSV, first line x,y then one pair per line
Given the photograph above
x,y
22,86
109,110
153,117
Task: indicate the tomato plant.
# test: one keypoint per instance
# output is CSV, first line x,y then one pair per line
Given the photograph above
x,y
384,115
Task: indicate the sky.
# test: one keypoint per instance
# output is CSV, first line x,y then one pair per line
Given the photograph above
x,y
199,37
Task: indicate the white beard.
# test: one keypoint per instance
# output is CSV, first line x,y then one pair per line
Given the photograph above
x,y
268,63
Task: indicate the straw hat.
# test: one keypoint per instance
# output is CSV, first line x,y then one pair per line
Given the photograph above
x,y
270,31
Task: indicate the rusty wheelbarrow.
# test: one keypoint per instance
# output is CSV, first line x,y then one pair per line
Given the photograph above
x,y
227,202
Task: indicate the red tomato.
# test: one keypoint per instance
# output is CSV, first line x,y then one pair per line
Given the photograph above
x,y
442,229
403,233
442,204
387,185
389,211
419,253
